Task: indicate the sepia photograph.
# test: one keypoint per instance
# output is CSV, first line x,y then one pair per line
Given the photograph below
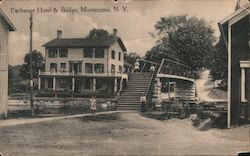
x,y
124,77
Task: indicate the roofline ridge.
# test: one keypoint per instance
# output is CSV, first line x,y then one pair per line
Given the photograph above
x,y
7,20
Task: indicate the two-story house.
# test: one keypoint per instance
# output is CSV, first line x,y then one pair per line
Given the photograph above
x,y
5,27
82,66
235,30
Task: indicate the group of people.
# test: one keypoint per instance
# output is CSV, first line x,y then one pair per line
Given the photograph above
x,y
143,99
92,100
137,67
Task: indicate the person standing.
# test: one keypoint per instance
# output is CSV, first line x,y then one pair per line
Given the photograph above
x,y
152,68
137,64
93,105
143,101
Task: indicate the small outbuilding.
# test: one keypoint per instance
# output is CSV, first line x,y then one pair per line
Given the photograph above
x,y
5,27
235,30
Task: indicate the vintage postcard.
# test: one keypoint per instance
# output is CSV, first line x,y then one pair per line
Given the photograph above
x,y
124,77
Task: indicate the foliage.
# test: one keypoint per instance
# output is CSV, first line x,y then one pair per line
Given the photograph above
x,y
98,33
131,57
37,62
20,87
185,39
10,72
218,61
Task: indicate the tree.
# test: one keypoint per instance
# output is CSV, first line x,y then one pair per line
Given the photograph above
x,y
160,51
98,33
218,61
185,39
10,72
37,62
131,57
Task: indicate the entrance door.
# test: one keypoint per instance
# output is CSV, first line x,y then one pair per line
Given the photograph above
x,y
78,84
248,92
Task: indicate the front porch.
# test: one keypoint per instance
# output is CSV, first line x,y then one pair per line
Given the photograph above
x,y
58,86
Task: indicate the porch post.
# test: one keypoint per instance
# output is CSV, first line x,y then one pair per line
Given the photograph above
x,y
243,85
54,86
169,96
39,79
248,93
94,84
229,78
54,83
115,85
39,83
73,84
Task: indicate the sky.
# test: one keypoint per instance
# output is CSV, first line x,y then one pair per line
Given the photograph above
x,y
134,25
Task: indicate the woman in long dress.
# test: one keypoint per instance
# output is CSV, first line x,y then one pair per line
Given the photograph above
x,y
93,105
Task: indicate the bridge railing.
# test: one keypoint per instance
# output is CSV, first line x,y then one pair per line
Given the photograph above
x,y
145,65
171,67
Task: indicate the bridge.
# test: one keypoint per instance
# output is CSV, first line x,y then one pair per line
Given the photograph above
x,y
150,82
170,69
177,77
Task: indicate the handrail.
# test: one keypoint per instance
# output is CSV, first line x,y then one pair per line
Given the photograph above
x,y
162,61
172,69
177,63
151,84
149,61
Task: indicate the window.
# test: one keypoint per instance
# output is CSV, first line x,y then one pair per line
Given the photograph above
x,y
52,53
53,67
99,53
63,52
120,69
99,83
63,83
88,68
113,54
112,68
63,67
87,83
99,68
119,57
88,53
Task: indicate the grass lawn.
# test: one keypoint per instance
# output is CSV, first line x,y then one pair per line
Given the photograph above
x,y
119,133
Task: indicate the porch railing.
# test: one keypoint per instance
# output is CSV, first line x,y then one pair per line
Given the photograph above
x,y
67,73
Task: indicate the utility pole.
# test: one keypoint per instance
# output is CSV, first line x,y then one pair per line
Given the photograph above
x,y
31,68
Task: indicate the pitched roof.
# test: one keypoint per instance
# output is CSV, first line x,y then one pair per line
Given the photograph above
x,y
245,8
85,42
232,19
7,21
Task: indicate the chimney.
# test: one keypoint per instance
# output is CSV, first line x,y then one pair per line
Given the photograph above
x,y
114,32
237,5
59,34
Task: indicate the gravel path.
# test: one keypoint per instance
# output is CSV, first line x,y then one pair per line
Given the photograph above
x,y
119,134
20,121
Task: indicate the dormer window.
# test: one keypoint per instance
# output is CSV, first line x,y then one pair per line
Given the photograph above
x,y
113,54
52,53
63,52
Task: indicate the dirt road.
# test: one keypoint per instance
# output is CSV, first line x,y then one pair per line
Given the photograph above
x,y
120,133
